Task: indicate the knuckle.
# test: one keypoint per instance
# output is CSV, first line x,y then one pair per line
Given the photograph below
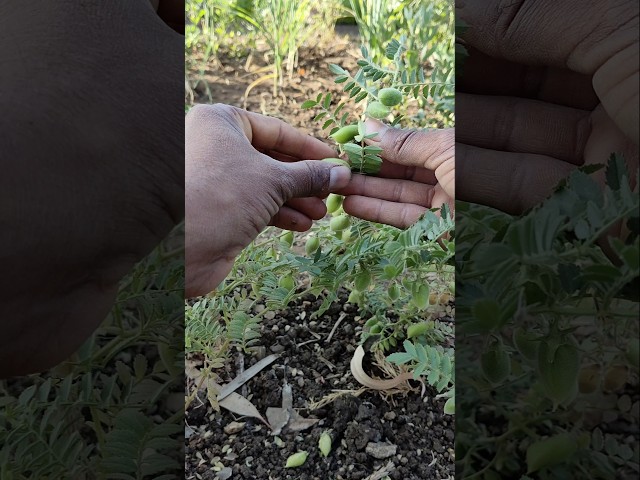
x,y
206,114
407,144
398,190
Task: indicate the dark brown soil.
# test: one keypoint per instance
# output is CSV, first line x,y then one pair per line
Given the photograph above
x,y
314,368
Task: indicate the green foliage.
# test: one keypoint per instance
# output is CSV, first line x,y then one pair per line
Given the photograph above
x,y
434,362
284,25
71,422
244,330
365,258
429,24
131,448
429,40
209,25
214,324
531,283
366,84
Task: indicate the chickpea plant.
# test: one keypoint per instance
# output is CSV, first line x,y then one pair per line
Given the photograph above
x,y
400,280
384,91
553,322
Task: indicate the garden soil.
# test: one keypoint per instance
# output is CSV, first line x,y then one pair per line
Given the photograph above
x,y
409,430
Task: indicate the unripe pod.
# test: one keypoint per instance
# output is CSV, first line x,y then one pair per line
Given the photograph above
x,y
287,282
378,110
417,329
338,212
390,96
550,451
354,297
345,134
346,235
324,444
487,313
287,237
375,329
559,377
338,224
452,287
450,406
334,202
393,292
312,245
337,161
390,271
420,297
526,343
496,364
371,322
296,460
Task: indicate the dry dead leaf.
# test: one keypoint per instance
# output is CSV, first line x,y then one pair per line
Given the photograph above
x,y
277,418
245,376
286,417
374,383
238,404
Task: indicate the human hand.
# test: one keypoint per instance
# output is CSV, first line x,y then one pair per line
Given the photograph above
x,y
539,96
245,171
417,173
92,155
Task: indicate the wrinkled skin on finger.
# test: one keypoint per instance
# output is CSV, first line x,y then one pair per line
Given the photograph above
x,y
417,174
536,100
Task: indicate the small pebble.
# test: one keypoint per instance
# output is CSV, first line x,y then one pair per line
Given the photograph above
x,y
390,415
381,450
234,427
225,473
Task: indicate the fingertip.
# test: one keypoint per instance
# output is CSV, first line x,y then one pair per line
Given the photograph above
x,y
371,125
339,177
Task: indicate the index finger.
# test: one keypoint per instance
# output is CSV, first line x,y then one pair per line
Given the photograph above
x,y
268,133
416,174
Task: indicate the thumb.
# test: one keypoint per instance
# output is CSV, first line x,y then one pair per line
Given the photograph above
x,y
412,148
312,178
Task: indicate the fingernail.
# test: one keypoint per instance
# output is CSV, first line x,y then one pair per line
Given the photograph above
x,y
339,177
372,125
